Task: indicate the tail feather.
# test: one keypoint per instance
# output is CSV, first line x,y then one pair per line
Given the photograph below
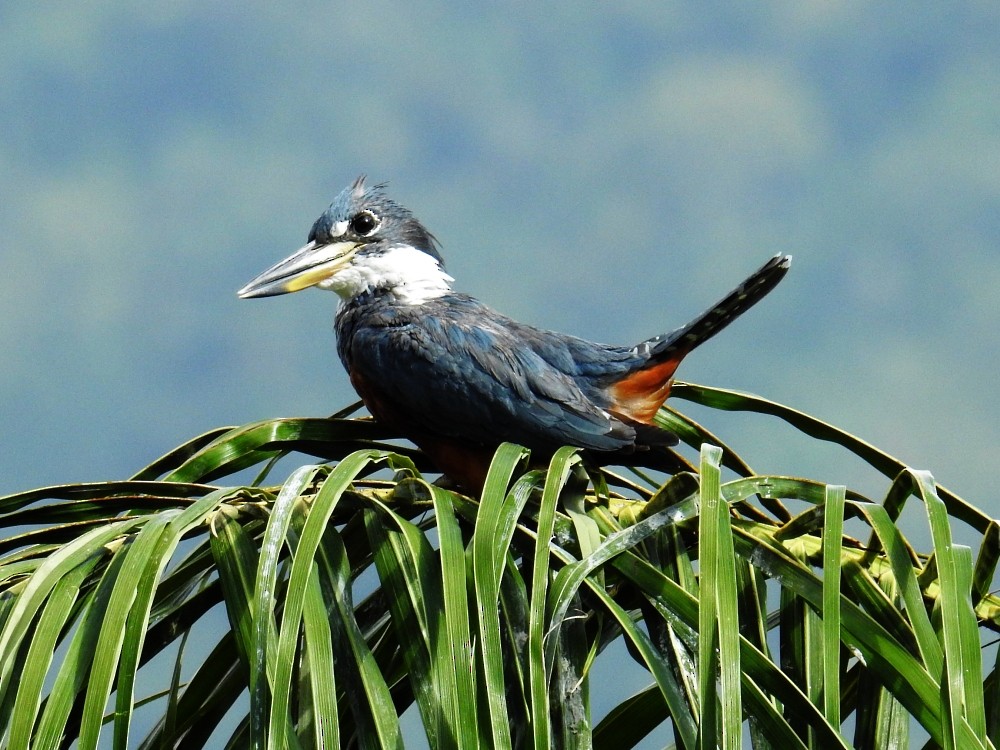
x,y
753,289
641,393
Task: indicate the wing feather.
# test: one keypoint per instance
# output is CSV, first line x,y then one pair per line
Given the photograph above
x,y
459,369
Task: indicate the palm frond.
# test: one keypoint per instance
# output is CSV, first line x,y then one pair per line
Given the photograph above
x,y
315,612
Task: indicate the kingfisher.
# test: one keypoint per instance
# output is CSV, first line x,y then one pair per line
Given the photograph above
x,y
458,378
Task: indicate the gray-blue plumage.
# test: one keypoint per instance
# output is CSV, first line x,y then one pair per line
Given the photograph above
x,y
459,378
456,368
395,220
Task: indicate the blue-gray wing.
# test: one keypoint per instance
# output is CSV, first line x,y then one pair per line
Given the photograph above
x,y
460,370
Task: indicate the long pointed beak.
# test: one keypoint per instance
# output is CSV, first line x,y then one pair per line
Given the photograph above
x,y
307,267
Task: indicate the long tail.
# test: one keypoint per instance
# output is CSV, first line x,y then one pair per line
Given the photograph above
x,y
642,392
722,313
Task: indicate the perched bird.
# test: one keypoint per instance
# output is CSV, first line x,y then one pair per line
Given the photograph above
x,y
458,378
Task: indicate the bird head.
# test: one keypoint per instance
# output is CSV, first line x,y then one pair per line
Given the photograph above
x,y
364,242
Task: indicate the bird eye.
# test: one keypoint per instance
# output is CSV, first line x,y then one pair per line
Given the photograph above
x,y
364,223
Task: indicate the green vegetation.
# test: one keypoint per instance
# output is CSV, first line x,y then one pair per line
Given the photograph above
x,y
351,598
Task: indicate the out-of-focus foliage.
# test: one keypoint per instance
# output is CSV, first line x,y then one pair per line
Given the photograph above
x,y
613,157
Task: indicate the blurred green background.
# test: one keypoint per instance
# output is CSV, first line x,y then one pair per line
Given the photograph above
x,y
605,170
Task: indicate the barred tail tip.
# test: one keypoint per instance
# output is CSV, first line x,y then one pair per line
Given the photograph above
x,y
640,393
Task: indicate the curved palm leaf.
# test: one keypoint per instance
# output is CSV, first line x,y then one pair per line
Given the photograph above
x,y
314,612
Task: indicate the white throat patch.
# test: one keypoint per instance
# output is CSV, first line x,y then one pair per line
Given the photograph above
x,y
412,276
